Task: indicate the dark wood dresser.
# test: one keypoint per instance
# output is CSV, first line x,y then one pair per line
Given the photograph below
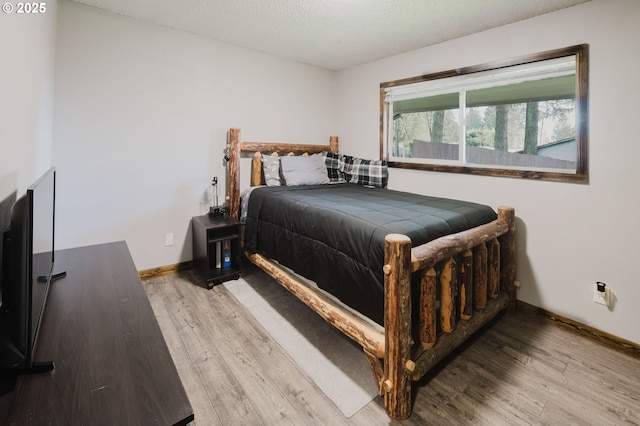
x,y
112,363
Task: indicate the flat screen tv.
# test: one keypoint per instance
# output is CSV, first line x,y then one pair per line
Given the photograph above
x,y
27,271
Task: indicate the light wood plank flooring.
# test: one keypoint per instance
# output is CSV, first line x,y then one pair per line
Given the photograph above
x,y
520,370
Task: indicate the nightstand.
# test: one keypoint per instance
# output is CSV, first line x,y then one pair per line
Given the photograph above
x,y
216,248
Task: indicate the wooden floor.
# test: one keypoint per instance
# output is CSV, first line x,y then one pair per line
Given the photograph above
x,y
520,370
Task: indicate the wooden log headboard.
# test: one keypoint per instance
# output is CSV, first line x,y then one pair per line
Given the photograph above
x,y
236,147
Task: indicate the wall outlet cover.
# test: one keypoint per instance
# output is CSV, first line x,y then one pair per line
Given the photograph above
x,y
601,297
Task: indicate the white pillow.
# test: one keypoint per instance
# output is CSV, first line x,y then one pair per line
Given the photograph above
x,y
271,169
304,170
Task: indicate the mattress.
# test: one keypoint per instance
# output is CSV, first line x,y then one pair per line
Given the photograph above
x,y
334,234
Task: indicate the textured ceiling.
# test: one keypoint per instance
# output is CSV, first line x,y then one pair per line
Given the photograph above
x,y
332,34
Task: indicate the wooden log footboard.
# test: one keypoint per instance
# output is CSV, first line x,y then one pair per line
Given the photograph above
x,y
447,321
465,280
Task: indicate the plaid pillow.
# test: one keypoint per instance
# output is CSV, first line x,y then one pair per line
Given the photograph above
x,y
335,167
369,172
347,166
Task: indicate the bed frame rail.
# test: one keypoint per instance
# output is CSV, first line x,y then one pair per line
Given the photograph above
x,y
363,332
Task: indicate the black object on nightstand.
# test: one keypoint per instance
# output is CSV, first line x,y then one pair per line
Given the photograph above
x,y
216,248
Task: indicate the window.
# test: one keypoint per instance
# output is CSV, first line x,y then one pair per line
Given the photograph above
x,y
524,117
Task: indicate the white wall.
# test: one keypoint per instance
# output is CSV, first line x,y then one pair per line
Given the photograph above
x,y
569,236
27,46
142,114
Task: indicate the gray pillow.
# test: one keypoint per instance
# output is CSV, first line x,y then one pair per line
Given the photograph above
x,y
304,170
271,170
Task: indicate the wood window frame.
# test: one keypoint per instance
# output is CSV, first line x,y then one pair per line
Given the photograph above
x,y
581,174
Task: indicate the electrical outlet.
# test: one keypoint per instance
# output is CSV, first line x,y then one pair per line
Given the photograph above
x,y
168,240
601,294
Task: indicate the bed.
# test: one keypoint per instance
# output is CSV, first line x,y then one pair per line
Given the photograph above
x,y
424,298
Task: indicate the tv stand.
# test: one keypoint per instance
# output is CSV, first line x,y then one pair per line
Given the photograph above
x,y
112,363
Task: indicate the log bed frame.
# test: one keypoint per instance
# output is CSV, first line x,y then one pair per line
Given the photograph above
x,y
475,270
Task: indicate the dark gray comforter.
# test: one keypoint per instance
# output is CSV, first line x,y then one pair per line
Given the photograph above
x,y
334,234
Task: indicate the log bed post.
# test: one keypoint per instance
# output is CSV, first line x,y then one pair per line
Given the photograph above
x,y
493,277
233,174
397,325
466,285
428,322
480,276
508,256
448,294
333,144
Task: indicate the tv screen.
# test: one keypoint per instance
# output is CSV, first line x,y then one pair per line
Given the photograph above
x,y
28,258
42,195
